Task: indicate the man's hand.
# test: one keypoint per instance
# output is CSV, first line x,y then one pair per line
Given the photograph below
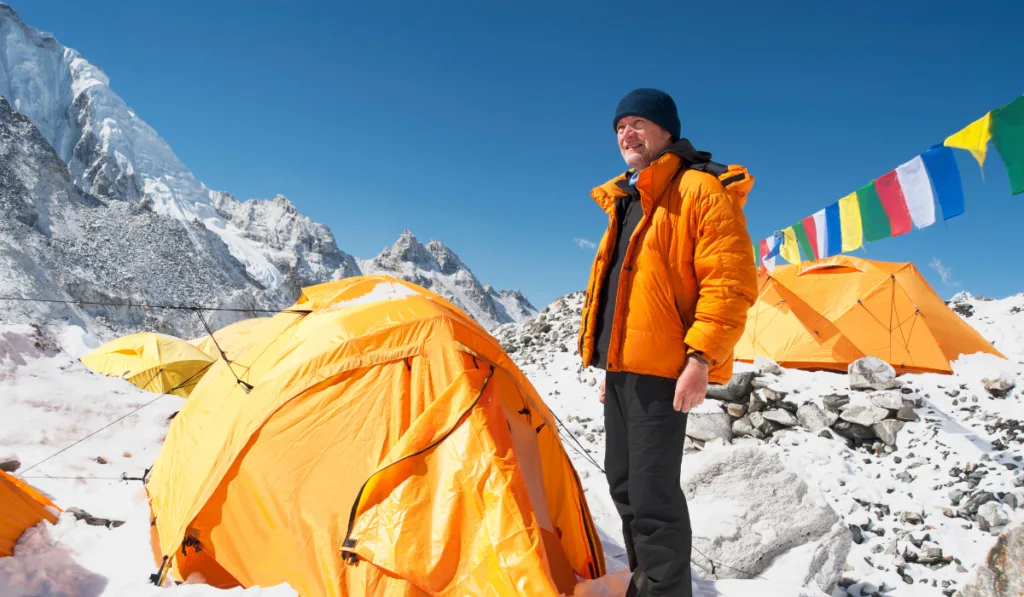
x,y
600,394
691,386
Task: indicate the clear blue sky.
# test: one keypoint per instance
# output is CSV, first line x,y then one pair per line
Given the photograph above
x,y
485,124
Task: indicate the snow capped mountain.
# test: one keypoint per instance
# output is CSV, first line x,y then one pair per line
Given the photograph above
x,y
111,153
151,229
57,242
436,267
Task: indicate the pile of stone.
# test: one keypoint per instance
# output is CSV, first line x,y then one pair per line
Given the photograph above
x,y
753,410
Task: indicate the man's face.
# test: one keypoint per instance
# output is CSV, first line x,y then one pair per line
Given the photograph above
x,y
640,140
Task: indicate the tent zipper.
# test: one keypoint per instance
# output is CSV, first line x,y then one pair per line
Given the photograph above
x,y
349,543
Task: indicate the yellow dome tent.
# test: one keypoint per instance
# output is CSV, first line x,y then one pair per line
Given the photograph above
x,y
387,446
232,338
154,362
828,313
21,507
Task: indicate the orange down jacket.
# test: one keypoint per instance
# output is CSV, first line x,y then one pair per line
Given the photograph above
x,y
688,276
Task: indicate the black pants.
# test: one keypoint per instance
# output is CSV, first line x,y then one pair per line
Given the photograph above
x,y
642,462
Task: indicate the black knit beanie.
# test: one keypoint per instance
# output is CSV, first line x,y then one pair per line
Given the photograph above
x,y
652,104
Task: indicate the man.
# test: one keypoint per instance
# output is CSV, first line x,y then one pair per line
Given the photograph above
x,y
666,303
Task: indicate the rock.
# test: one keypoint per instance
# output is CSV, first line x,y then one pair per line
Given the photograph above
x,y
906,413
1001,574
101,460
998,384
996,514
835,402
769,395
976,501
855,532
889,399
911,518
709,426
871,373
737,390
690,446
853,430
827,434
10,463
742,427
766,366
813,418
736,410
782,417
757,404
765,426
747,506
956,495
864,415
91,520
887,430
905,477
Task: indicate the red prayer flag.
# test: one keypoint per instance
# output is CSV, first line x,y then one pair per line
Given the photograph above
x,y
812,234
890,193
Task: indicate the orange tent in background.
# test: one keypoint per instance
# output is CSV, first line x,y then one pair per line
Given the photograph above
x,y
387,446
828,313
21,507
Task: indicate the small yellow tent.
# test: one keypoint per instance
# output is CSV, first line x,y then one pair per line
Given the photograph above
x,y
154,362
828,313
387,446
21,507
232,338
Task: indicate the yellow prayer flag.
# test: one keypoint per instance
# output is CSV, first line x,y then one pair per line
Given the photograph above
x,y
790,250
974,138
849,222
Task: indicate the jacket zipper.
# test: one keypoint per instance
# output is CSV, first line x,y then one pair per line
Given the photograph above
x,y
349,542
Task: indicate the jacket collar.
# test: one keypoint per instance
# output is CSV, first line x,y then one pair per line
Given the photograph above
x,y
652,180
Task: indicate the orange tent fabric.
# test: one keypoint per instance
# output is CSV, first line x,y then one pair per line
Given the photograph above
x,y
21,507
828,313
387,446
231,338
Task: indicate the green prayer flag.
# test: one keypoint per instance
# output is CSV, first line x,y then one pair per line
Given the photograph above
x,y
1008,138
805,242
874,220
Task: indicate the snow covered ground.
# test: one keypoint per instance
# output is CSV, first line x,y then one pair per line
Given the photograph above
x,y
915,504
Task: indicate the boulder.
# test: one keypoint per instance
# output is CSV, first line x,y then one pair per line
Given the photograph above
x,y
747,507
864,415
709,426
887,430
835,402
771,396
737,390
906,413
736,410
766,366
890,400
764,426
10,463
814,418
782,417
757,404
1001,574
998,384
853,430
996,514
871,373
742,427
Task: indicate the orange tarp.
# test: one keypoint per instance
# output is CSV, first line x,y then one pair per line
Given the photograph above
x,y
21,507
828,313
388,446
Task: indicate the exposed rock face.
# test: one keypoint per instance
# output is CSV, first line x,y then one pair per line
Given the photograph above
x,y
771,511
1002,573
